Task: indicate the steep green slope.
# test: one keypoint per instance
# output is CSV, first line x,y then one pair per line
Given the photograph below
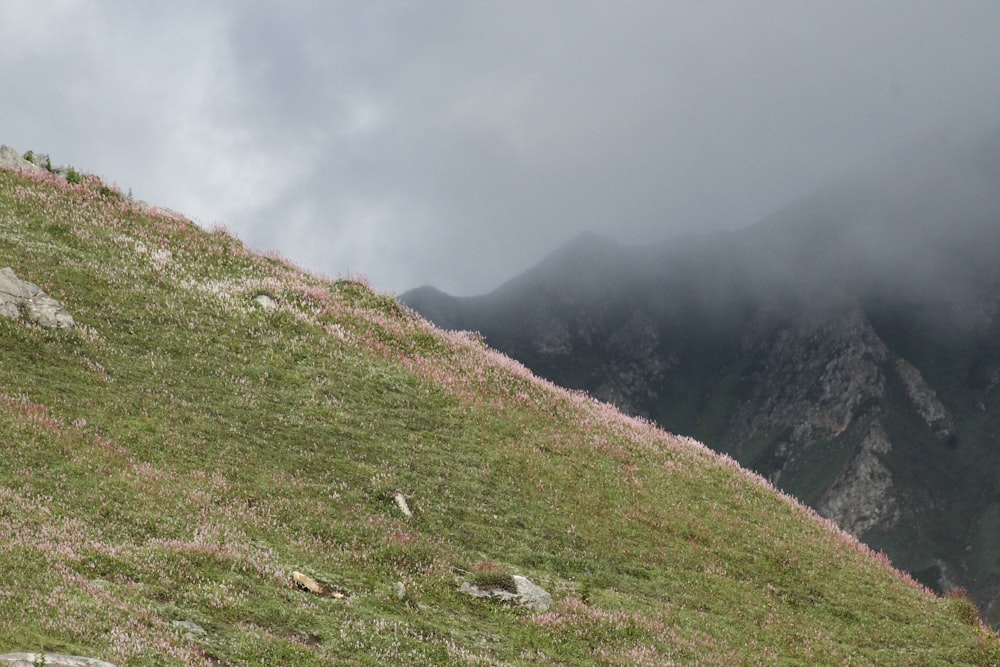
x,y
184,449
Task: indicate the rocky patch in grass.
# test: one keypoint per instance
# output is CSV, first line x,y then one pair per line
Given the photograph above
x,y
26,301
514,589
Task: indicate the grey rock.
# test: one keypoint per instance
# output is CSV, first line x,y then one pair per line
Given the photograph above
x,y
51,660
531,594
11,159
816,376
862,495
9,309
925,399
47,312
635,366
265,302
38,162
41,160
190,626
528,594
192,632
14,288
44,162
20,299
498,594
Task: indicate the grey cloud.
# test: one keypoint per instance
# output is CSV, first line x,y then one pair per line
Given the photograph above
x,y
456,143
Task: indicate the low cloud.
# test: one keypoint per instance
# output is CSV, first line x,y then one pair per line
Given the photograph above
x,y
457,143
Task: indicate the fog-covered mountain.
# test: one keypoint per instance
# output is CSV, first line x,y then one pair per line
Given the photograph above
x,y
847,347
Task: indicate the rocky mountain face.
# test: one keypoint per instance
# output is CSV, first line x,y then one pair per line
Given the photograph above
x,y
847,348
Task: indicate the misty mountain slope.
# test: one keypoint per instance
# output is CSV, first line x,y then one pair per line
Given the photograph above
x,y
218,420
847,348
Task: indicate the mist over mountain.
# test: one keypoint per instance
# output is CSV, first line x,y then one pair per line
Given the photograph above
x,y
847,347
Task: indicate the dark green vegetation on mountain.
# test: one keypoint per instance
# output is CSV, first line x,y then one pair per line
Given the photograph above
x,y
847,348
189,445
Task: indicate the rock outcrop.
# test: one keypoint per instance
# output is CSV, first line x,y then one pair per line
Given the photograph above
x,y
43,161
525,593
265,301
816,376
37,162
861,497
26,301
11,159
925,399
192,631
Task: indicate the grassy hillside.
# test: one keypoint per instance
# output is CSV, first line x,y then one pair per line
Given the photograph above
x,y
185,449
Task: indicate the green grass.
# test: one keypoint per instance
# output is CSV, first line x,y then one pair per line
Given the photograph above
x,y
182,451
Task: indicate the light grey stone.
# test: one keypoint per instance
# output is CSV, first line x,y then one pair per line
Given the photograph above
x,y
265,302
14,287
190,626
11,159
20,299
9,309
528,593
41,160
531,594
46,312
498,594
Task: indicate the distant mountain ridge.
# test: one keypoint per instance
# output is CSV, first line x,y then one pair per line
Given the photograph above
x,y
847,348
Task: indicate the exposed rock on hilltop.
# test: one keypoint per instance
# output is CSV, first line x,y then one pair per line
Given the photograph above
x,y
36,162
11,159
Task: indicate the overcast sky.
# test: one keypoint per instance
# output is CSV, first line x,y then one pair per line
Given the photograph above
x,y
457,142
